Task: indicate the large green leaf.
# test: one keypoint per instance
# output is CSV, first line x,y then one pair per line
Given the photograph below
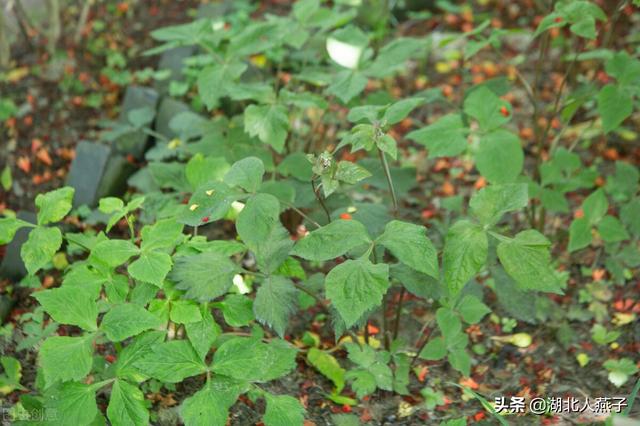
x,y
127,405
615,104
246,173
200,169
409,243
8,228
595,206
445,138
355,287
210,405
526,259
276,300
465,252
490,203
500,156
213,81
579,234
203,333
270,123
332,240
139,347
235,356
203,276
347,84
126,320
40,247
113,252
69,305
53,206
172,362
259,227
65,358
486,107
151,267
283,410
73,403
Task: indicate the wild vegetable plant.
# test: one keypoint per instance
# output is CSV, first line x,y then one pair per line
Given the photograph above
x,y
167,301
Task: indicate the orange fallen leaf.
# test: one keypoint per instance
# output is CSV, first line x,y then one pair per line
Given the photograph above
x,y
24,164
43,155
470,383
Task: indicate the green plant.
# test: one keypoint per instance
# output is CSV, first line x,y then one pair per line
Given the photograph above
x,y
293,133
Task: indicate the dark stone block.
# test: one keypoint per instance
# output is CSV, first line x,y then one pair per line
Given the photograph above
x,y
168,109
136,97
12,266
172,60
97,171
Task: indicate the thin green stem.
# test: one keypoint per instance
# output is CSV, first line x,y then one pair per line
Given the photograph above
x,y
387,174
316,192
396,325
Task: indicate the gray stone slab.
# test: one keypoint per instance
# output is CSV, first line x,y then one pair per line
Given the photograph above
x,y
136,97
97,171
12,266
172,60
168,109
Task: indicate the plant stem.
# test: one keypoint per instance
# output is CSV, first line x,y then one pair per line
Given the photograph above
x,y
387,174
297,210
396,325
424,342
316,192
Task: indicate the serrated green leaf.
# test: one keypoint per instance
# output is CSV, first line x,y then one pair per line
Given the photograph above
x,y
8,228
213,81
612,230
113,252
74,404
65,358
410,245
491,202
434,350
579,234
210,405
126,320
53,206
270,123
500,157
526,258
246,173
259,227
151,267
283,410
445,138
615,104
127,405
40,247
68,305
234,357
200,169
276,300
472,309
355,287
486,107
332,240
205,276
172,362
203,334
465,252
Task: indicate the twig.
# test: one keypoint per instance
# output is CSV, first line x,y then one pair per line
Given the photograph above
x,y
387,174
316,192
82,21
396,325
297,210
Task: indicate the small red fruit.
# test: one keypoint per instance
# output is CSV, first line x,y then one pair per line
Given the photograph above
x,y
346,408
345,216
558,19
205,219
504,111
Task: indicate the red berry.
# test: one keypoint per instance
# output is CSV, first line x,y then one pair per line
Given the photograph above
x,y
346,408
345,216
205,219
558,19
504,111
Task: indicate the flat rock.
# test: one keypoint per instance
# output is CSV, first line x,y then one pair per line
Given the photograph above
x,y
172,60
97,171
12,266
168,109
136,97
